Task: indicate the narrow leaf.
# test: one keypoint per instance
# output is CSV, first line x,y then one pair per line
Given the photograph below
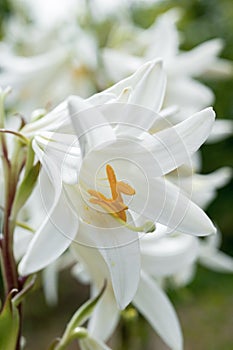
x,y
9,324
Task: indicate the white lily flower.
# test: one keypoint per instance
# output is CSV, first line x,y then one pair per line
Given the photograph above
x,y
46,78
161,40
113,143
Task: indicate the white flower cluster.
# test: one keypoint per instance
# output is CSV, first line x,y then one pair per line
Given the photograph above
x,y
119,196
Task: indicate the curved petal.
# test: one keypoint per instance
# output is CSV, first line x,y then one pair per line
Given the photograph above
x,y
189,95
204,186
59,228
124,265
52,238
150,90
131,121
120,250
196,61
222,129
163,37
148,86
165,203
22,240
169,255
172,147
92,129
155,306
64,151
212,257
123,63
57,118
217,261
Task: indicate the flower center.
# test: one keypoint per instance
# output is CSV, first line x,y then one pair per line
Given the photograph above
x,y
114,205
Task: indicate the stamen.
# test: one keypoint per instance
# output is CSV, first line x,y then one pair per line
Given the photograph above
x,y
114,205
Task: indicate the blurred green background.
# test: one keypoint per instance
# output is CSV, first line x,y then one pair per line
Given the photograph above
x,y
205,307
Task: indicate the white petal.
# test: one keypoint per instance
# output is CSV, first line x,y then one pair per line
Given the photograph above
x,y
190,95
123,63
222,129
168,255
204,186
172,147
59,228
22,240
165,203
120,250
184,276
65,152
149,76
124,265
221,68
92,262
154,305
163,37
52,238
57,118
196,61
50,283
150,90
130,121
217,261
90,125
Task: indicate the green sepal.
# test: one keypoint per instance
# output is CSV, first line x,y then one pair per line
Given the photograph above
x,y
26,187
85,311
9,324
73,329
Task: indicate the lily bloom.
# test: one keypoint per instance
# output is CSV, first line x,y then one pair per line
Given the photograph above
x,y
108,177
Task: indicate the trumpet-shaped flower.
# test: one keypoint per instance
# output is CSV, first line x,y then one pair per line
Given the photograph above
x,y
108,177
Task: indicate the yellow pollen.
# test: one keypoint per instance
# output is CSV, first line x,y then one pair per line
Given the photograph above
x,y
114,205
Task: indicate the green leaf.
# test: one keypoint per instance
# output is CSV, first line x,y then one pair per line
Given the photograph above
x,y
25,189
9,324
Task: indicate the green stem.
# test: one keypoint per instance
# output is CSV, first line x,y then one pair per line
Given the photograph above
x,y
9,268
